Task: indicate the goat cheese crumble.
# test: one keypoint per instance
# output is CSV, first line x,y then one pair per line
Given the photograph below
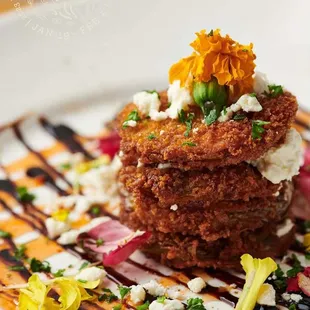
x,y
260,82
56,228
196,285
154,289
282,163
137,293
166,305
91,274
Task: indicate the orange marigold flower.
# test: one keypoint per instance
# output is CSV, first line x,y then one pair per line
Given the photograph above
x,y
230,62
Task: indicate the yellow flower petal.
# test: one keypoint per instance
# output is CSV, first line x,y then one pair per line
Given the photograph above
x,y
61,215
89,284
96,163
70,296
307,242
257,271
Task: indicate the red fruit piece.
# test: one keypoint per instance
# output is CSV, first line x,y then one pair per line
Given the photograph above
x,y
292,285
110,144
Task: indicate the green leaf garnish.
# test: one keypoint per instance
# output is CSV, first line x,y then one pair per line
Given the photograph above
x,y
59,273
145,306
253,95
123,291
117,307
307,255
151,136
132,116
189,143
82,281
239,117
4,234
99,242
274,91
296,267
182,116
19,253
161,299
108,296
84,265
24,195
189,123
292,307
195,304
65,166
258,129
38,266
211,117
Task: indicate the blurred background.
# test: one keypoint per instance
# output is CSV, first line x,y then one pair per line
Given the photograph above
x,y
54,52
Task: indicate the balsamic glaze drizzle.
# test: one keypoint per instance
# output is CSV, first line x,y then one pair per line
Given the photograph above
x,y
65,135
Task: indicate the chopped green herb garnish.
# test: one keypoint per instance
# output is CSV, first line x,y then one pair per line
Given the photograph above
x,y
169,104
5,234
195,304
153,92
253,95
306,225
108,296
151,136
82,281
65,166
210,34
17,268
59,273
145,306
296,267
117,307
189,123
224,110
211,117
123,291
99,242
70,266
280,282
38,266
24,195
307,255
189,143
19,253
161,299
239,117
182,116
279,273
274,91
95,210
258,129
84,265
292,307
132,116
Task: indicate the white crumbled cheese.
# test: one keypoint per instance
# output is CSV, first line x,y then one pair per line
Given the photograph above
x,y
154,289
179,97
296,297
196,285
286,296
282,163
130,123
285,228
91,274
137,294
161,132
56,228
70,237
246,103
260,83
164,166
174,207
149,105
267,295
167,305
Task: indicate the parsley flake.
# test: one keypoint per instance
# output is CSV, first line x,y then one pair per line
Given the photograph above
x,y
189,123
84,265
195,304
132,116
253,95
17,268
24,195
239,117
145,306
95,210
291,273
274,91
151,137
108,296
59,273
99,242
292,307
65,166
307,255
123,291
117,307
182,116
211,117
258,129
161,299
82,281
189,143
19,253
5,234
38,266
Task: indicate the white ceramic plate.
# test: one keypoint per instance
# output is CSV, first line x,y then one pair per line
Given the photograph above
x,y
73,50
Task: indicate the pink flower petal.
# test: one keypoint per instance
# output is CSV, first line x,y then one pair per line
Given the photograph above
x,y
292,285
119,242
110,145
304,283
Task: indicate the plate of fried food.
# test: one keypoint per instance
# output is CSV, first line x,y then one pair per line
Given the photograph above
x,y
192,197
